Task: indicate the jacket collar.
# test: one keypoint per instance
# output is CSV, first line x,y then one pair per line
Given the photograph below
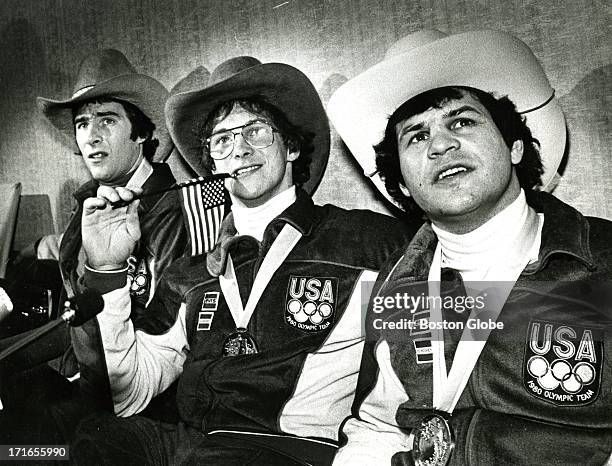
x,y
301,215
565,231
152,175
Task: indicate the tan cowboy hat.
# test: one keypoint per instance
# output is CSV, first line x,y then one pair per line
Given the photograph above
x,y
491,61
282,85
107,73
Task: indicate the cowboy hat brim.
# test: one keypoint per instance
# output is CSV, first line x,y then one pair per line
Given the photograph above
x,y
282,85
144,92
491,61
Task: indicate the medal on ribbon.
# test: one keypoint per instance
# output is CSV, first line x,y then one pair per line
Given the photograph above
x,y
239,342
433,441
242,342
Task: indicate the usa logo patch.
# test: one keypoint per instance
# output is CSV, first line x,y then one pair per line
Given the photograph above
x,y
563,363
210,302
311,302
138,276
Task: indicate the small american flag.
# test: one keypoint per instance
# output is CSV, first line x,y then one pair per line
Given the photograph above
x,y
203,204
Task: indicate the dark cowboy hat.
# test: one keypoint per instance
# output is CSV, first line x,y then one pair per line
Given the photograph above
x,y
282,85
107,73
492,61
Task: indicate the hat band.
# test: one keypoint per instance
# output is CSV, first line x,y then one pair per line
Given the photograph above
x,y
538,107
82,91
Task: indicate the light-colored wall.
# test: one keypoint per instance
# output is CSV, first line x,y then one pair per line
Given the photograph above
x,y
43,41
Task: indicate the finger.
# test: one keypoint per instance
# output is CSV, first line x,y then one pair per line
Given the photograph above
x,y
92,204
133,208
132,221
108,193
127,194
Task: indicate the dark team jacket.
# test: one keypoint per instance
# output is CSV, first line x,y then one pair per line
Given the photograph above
x,y
163,235
308,326
541,391
163,239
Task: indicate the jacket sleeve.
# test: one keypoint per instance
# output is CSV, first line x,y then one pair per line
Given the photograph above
x,y
164,236
139,365
372,434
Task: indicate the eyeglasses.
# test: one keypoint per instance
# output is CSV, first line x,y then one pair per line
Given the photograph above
x,y
257,134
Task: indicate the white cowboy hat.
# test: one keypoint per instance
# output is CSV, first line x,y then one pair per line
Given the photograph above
x,y
491,61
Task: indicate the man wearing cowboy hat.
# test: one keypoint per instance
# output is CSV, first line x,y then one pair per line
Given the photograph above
x,y
465,129
115,122
265,331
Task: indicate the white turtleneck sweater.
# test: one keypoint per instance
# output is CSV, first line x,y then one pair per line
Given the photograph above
x,y
253,221
487,253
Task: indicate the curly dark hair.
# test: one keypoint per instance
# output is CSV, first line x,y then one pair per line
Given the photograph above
x,y
294,137
510,123
142,126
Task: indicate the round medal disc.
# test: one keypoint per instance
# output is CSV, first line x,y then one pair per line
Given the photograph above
x,y
433,442
239,342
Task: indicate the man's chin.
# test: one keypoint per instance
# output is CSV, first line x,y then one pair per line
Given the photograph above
x,y
102,177
249,198
456,209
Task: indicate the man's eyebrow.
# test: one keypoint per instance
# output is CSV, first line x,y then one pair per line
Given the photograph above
x,y
415,127
460,110
87,116
252,120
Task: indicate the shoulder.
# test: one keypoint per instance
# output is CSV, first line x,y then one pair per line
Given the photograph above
x,y
364,224
160,179
359,237
161,174
600,240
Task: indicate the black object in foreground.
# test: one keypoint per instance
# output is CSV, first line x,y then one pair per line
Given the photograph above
x,y
185,184
78,310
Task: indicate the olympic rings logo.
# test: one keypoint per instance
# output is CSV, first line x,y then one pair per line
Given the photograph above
x,y
309,311
561,372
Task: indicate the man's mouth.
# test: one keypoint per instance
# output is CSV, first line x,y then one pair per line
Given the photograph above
x,y
451,172
97,155
245,170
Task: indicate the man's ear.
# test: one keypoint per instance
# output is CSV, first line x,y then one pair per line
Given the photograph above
x,y
292,154
516,152
140,139
404,190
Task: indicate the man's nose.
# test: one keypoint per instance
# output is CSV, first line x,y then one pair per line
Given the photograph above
x,y
94,135
241,147
442,141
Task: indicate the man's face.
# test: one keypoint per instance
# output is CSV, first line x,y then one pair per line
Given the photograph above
x,y
102,132
456,164
257,174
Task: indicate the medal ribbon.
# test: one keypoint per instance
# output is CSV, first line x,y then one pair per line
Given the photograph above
x,y
278,252
448,387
